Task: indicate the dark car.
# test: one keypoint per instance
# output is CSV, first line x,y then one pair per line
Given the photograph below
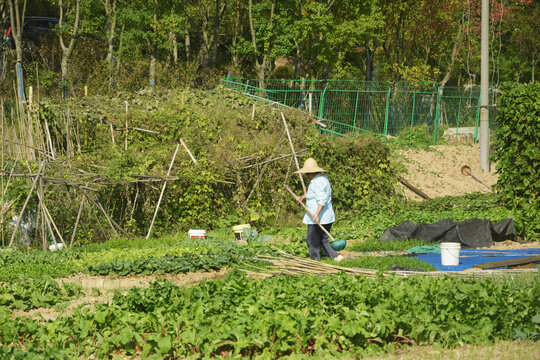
x,y
34,27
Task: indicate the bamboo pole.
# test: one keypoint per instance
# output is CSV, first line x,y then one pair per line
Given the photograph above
x,y
189,152
162,191
43,234
112,133
77,222
44,218
26,203
100,208
49,139
309,213
2,150
126,131
294,153
49,217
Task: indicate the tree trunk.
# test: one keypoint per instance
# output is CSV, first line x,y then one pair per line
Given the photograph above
x,y
203,51
153,50
215,35
235,58
454,52
188,44
370,57
261,64
174,43
67,50
533,66
17,23
110,13
152,74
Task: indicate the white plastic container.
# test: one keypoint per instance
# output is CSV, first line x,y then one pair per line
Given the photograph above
x,y
57,246
200,234
238,230
450,253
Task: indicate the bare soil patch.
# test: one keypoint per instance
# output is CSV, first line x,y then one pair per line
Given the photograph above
x,y
100,290
437,173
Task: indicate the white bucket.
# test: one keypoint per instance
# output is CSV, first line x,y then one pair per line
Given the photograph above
x,y
450,253
238,231
197,234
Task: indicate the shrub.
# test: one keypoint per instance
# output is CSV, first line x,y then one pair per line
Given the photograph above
x,y
518,151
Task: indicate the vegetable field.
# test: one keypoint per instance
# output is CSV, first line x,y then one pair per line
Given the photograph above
x,y
240,316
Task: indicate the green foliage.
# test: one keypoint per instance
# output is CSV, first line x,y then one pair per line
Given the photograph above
x,y
358,169
30,293
518,151
385,263
253,236
331,316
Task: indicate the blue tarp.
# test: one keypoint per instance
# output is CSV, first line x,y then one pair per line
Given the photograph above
x,y
470,257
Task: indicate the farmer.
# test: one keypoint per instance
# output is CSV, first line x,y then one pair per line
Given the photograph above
x,y
319,203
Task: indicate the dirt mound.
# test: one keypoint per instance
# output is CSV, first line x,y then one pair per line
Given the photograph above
x,y
437,172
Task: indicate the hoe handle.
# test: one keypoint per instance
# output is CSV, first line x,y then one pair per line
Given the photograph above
x,y
309,213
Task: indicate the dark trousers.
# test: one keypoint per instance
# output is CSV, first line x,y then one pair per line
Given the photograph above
x,y
317,239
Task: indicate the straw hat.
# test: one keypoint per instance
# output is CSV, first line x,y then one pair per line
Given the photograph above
x,y
310,166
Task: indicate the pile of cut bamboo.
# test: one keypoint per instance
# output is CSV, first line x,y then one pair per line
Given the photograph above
x,y
288,264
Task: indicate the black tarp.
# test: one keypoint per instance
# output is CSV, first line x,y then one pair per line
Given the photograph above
x,y
472,233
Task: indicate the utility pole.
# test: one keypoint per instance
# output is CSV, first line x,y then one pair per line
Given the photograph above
x,y
484,89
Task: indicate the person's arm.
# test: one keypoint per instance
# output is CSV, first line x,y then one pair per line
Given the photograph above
x,y
300,198
317,213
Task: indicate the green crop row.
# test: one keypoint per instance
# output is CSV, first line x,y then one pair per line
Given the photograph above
x,y
117,257
329,317
30,293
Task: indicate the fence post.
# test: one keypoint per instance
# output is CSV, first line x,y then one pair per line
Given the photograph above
x,y
477,121
386,112
412,115
355,110
246,88
437,114
458,116
321,102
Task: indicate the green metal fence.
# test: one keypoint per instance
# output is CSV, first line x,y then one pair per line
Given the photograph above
x,y
381,108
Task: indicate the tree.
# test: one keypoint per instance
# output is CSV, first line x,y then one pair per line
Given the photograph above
x,y
73,34
16,15
526,23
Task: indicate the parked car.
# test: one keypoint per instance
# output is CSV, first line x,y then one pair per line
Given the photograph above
x,y
34,27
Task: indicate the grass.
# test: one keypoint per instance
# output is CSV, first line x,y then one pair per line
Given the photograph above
x,y
500,350
385,263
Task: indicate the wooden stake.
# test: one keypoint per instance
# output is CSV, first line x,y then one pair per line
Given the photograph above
x,y
49,139
112,133
44,218
134,203
253,112
76,222
162,191
126,131
98,205
294,153
189,152
49,217
26,203
2,215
